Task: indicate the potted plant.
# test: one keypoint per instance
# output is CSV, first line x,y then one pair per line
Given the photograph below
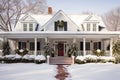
x,y
69,52
6,48
52,52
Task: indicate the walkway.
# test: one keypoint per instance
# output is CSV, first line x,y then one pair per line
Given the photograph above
x,y
62,73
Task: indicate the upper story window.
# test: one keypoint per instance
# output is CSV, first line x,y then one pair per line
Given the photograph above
x,y
88,27
94,27
60,25
30,27
24,27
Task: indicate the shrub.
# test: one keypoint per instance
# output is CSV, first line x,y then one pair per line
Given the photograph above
x,y
116,51
79,61
40,59
21,52
98,53
6,48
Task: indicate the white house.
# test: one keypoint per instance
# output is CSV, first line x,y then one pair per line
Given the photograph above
x,y
61,30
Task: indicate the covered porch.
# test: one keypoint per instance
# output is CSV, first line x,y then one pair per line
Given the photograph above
x,y
86,41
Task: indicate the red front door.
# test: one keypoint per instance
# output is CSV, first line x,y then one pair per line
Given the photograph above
x,y
60,49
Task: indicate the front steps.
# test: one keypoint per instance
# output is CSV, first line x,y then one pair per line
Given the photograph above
x,y
61,60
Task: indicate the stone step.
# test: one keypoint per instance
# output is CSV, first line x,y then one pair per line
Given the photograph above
x,y
60,60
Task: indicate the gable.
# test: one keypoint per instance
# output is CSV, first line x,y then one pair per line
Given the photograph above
x,y
59,16
27,18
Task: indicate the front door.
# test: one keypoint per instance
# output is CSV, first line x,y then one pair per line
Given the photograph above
x,y
60,49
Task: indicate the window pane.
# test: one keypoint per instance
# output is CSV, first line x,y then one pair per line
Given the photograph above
x,y
88,27
30,27
31,45
94,27
24,27
95,45
81,45
87,45
38,45
60,28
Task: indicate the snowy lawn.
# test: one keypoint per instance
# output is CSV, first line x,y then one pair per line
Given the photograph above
x,y
94,71
31,71
27,71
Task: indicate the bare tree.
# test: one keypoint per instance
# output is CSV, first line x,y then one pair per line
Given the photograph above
x,y
10,11
112,19
36,6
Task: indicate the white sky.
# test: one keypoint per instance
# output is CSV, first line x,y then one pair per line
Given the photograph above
x,y
78,6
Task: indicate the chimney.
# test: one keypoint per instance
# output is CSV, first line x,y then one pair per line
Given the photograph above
x,y
49,10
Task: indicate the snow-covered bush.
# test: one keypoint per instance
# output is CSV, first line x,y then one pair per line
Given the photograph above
x,y
12,58
1,58
107,59
28,58
94,59
80,60
40,59
25,58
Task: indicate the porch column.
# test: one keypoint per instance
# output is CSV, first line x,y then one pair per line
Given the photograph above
x,y
35,51
84,46
111,45
74,40
46,39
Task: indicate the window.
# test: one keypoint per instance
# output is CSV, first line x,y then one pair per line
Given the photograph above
x,y
32,46
58,27
94,27
87,44
97,45
88,27
30,27
21,45
24,27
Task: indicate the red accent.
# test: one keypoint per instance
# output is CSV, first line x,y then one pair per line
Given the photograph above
x,y
60,49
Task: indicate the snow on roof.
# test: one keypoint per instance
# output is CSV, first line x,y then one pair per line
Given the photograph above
x,y
78,19
42,19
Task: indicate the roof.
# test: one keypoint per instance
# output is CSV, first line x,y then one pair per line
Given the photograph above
x,y
62,34
77,19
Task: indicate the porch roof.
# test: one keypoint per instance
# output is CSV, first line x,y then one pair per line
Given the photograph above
x,y
60,34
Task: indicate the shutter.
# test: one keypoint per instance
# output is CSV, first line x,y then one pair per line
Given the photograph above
x,y
36,29
55,26
65,26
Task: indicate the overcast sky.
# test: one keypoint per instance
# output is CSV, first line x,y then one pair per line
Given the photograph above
x,y
79,6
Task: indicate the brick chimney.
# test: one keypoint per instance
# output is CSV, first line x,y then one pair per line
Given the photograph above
x,y
49,10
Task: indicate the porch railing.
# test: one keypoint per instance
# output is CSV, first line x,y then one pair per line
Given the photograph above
x,y
38,52
80,53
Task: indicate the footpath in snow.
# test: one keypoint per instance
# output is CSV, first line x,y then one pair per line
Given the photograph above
x,y
31,71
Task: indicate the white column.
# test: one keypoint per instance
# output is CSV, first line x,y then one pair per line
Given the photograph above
x,y
111,45
46,39
84,46
35,51
74,40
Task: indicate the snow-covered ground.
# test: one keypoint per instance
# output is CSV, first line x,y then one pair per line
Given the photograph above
x,y
94,71
31,71
27,71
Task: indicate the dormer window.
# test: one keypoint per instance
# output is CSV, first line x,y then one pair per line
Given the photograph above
x,y
24,27
94,27
60,25
88,27
30,27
